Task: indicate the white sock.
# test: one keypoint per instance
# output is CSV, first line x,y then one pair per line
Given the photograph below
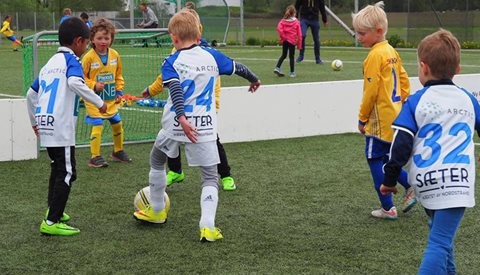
x,y
49,222
208,204
158,184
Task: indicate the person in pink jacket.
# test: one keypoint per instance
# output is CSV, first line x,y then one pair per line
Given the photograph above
x,y
290,34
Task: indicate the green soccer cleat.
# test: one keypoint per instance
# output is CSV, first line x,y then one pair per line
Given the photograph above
x,y
207,235
59,229
149,215
65,217
173,177
228,184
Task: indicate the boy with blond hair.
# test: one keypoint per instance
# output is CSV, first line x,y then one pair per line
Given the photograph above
x,y
434,134
189,117
385,88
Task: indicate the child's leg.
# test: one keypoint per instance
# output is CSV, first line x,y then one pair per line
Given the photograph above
x,y
284,54
223,167
175,164
291,56
439,251
157,179
63,175
209,196
117,135
96,140
376,168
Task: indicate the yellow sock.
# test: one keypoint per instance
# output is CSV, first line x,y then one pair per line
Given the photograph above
x,y
117,134
96,140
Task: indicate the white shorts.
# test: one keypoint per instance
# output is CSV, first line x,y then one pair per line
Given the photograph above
x,y
198,154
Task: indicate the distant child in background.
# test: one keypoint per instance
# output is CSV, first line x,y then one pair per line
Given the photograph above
x,y
175,173
67,13
185,68
385,88
434,134
290,34
9,33
84,17
53,110
103,74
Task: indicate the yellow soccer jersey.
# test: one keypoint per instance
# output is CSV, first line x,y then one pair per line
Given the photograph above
x,y
385,88
157,87
6,29
110,74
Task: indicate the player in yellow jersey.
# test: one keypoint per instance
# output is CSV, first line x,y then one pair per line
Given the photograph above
x,y
385,88
175,173
9,34
102,67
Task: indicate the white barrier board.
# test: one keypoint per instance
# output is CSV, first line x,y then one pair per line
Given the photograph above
x,y
17,141
300,109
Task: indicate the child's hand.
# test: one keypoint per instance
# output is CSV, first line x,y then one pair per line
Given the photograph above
x,y
99,86
254,86
188,129
385,190
35,129
146,94
361,128
118,99
103,109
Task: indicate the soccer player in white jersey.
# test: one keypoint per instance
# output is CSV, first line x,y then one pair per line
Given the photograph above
x,y
53,109
433,134
190,117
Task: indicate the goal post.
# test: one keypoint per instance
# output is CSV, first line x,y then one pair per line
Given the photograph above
x,y
142,52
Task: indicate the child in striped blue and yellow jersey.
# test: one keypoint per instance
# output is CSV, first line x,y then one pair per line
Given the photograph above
x,y
386,87
102,67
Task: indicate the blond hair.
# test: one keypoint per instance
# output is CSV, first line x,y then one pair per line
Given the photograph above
x,y
370,18
67,11
290,11
102,24
441,52
192,11
185,25
190,5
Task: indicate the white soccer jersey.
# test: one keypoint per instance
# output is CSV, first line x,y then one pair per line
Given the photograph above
x,y
57,102
442,119
197,70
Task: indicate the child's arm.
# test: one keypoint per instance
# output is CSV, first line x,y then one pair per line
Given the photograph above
x,y
119,81
32,100
79,87
405,128
244,71
404,84
299,36
370,89
154,89
280,31
4,28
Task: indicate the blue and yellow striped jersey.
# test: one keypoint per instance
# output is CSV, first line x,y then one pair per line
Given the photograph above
x,y
385,88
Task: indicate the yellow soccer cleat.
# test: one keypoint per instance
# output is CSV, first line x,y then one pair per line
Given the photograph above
x,y
207,235
149,215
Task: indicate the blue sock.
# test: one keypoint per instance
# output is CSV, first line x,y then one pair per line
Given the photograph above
x,y
376,168
403,179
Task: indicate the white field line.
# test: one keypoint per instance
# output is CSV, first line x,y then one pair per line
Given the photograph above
x,y
12,96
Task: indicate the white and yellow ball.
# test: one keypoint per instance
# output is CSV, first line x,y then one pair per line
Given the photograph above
x,y
142,199
337,65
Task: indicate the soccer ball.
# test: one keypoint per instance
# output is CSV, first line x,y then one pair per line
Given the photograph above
x,y
337,65
142,199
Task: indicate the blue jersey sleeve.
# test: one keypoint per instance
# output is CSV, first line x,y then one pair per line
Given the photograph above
x,y
476,108
226,66
168,71
36,85
74,68
406,119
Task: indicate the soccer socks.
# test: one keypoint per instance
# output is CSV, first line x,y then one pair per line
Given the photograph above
x,y
117,134
158,184
208,204
403,179
376,168
96,140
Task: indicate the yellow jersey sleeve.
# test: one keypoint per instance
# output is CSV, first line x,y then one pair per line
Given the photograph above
x,y
156,87
6,29
119,81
